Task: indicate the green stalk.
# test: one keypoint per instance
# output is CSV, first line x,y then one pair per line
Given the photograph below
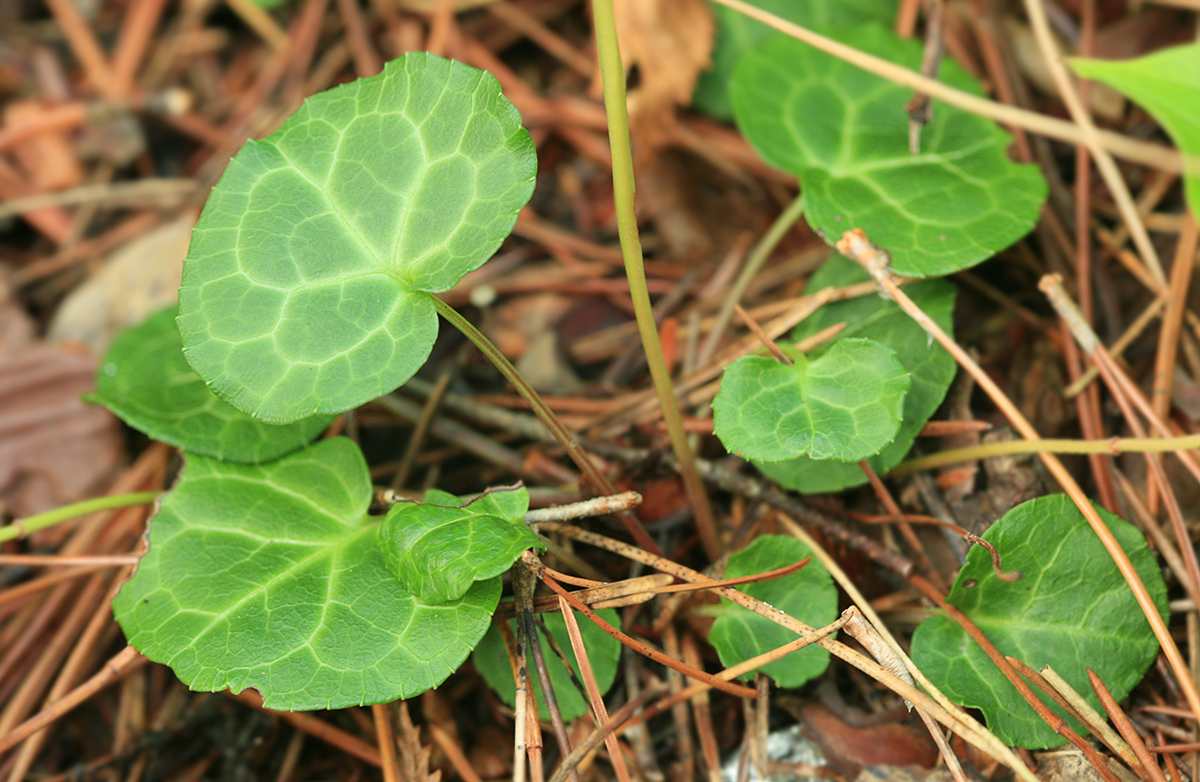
x,y
22,527
543,412
613,75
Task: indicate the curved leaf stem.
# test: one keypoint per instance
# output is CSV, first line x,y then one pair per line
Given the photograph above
x,y
22,527
770,240
543,412
613,76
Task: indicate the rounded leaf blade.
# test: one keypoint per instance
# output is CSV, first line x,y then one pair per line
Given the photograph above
x,y
271,577
808,595
845,404
931,367
1071,609
844,133
145,380
306,287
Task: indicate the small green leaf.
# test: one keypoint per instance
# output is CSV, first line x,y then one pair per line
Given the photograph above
x,y
271,577
146,381
845,404
844,133
438,552
808,595
931,367
604,651
1070,609
1167,84
307,285
737,33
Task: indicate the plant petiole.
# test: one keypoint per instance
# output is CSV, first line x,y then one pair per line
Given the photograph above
x,y
23,527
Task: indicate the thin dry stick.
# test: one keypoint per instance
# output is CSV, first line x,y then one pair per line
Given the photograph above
x,y
1125,727
854,244
1090,717
1090,136
1147,154
968,729
1168,338
589,679
387,742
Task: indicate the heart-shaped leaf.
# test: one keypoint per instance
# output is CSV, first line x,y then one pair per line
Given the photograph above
x,y
604,651
1167,84
844,133
931,367
845,404
439,550
808,595
145,380
737,33
306,287
271,577
1070,609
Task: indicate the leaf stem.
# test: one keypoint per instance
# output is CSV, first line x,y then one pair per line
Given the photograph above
x,y
22,527
543,412
770,240
613,76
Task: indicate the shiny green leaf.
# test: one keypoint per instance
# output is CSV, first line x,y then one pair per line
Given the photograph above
x,y
1070,609
145,380
272,577
307,285
845,404
844,133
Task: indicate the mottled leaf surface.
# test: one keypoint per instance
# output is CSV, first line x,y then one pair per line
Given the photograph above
x,y
808,595
440,547
604,652
844,133
271,577
1167,84
1071,609
845,404
931,367
306,287
146,381
737,33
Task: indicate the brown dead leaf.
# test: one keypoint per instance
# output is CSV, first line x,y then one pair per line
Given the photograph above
x,y
669,42
54,449
414,757
47,158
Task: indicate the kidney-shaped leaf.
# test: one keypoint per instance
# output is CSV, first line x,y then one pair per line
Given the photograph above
x,y
845,404
737,32
928,363
272,577
1070,609
604,651
439,550
146,381
306,287
844,133
1167,83
808,595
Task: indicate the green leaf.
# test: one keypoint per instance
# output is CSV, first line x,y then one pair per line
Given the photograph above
x,y
931,367
439,551
146,381
307,285
1071,610
845,404
737,33
844,133
604,651
808,595
1167,84
272,577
